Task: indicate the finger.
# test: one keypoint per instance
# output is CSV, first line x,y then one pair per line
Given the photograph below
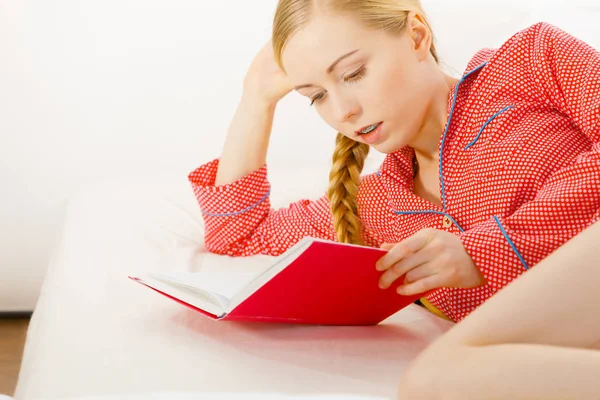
x,y
404,248
422,271
400,268
395,254
404,266
431,282
420,239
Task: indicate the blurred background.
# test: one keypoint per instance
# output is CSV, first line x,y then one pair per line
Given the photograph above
x,y
135,90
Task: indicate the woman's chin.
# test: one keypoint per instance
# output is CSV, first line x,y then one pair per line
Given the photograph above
x,y
386,147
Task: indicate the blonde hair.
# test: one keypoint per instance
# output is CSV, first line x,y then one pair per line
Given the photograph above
x,y
349,155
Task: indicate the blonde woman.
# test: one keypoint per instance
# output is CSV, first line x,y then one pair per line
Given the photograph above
x,y
538,338
484,176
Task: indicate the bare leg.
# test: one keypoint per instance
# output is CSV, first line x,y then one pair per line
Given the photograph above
x,y
532,340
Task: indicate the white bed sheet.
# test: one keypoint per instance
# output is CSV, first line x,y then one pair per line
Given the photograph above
x,y
96,333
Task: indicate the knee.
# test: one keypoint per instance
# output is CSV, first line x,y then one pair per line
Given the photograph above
x,y
427,375
417,381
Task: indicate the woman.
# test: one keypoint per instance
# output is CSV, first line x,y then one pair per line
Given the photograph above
x,y
536,339
485,175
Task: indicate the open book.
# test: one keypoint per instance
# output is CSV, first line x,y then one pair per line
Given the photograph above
x,y
314,282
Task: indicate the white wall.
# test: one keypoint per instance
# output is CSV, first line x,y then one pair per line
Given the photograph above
x,y
109,89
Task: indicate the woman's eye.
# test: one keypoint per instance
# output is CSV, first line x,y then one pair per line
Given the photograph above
x,y
352,78
317,98
356,76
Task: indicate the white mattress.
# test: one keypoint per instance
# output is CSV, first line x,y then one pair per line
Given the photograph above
x,y
96,333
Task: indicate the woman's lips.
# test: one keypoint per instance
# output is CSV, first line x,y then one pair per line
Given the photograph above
x,y
373,136
373,126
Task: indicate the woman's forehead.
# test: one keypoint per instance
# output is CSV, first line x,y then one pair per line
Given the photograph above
x,y
322,40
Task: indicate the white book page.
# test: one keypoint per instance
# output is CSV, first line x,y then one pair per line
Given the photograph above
x,y
221,285
197,298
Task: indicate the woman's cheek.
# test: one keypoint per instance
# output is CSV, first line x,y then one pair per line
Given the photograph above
x,y
327,116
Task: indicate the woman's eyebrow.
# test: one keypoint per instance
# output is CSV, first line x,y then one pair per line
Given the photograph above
x,y
331,67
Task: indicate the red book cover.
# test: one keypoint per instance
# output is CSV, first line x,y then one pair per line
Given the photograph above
x,y
315,282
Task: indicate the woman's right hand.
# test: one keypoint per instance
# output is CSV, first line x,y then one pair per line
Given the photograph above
x,y
265,81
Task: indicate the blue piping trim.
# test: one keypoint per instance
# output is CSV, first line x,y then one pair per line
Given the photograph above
x,y
510,242
430,212
440,158
486,124
241,211
446,131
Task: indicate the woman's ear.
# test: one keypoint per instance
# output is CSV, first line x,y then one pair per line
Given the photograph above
x,y
420,35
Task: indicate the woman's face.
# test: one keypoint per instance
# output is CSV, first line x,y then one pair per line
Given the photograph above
x,y
358,77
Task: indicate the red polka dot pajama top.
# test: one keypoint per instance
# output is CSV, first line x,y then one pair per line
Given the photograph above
x,y
519,172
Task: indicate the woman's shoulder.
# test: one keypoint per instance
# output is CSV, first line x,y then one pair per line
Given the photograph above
x,y
516,47
528,38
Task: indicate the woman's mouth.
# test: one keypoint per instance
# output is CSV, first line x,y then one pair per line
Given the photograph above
x,y
371,133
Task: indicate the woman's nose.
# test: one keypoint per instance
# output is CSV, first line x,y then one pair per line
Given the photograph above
x,y
346,110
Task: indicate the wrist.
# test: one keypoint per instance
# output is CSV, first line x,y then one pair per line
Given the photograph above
x,y
257,101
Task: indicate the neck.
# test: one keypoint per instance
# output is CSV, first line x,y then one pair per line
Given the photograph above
x,y
426,147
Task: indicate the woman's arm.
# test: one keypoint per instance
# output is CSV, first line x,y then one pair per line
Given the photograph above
x,y
526,342
233,191
247,140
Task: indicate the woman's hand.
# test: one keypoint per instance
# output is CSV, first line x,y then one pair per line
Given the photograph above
x,y
430,259
265,81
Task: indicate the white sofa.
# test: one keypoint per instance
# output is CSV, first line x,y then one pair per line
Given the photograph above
x,y
112,105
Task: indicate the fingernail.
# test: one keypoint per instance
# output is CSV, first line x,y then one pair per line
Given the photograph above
x,y
400,290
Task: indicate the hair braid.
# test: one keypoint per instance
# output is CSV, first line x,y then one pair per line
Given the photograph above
x,y
348,161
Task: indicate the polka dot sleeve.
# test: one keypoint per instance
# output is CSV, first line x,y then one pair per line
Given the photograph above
x,y
567,74
239,220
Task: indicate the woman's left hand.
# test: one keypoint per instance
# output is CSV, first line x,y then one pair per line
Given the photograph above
x,y
430,259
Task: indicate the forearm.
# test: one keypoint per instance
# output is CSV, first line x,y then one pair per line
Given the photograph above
x,y
247,140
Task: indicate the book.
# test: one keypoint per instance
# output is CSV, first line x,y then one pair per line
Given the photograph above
x,y
315,281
